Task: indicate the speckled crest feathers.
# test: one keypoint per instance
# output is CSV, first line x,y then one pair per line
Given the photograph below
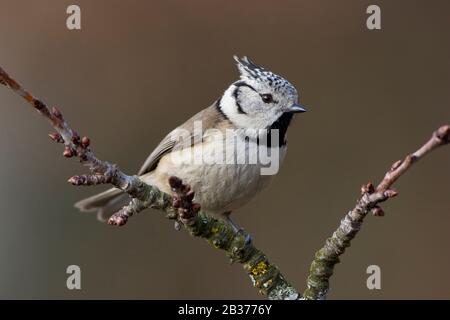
x,y
251,71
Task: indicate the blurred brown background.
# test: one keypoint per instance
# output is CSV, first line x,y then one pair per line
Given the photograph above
x,y
139,68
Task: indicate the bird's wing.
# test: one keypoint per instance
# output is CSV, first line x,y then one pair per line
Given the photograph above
x,y
209,117
165,146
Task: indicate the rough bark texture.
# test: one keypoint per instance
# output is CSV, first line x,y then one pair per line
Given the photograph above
x,y
265,276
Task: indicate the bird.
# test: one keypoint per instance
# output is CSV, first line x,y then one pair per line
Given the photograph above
x,y
259,102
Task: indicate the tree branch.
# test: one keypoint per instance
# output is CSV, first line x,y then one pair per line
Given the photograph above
x,y
265,276
180,207
328,256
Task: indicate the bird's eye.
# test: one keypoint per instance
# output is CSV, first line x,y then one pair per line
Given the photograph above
x,y
267,98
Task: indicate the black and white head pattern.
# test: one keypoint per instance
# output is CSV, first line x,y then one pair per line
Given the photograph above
x,y
260,99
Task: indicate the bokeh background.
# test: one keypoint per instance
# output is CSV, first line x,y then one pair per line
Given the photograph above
x,y
137,69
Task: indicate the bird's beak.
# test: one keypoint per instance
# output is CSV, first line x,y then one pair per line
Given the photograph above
x,y
296,108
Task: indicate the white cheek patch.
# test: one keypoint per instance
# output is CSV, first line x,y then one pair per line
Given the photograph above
x,y
261,119
230,109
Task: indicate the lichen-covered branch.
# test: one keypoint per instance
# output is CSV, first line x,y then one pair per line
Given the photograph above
x,y
265,276
328,256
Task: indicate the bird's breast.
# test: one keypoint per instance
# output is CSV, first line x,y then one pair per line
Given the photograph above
x,y
224,175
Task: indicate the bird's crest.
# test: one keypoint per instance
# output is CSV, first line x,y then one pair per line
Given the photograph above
x,y
252,72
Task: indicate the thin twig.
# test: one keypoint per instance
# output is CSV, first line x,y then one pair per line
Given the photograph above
x,y
328,256
74,145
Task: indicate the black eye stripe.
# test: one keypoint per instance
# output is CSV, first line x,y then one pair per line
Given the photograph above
x,y
236,99
238,85
243,84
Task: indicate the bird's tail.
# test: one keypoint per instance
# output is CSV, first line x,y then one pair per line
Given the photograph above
x,y
105,203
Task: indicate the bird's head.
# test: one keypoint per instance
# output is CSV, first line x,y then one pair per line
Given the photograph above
x,y
260,98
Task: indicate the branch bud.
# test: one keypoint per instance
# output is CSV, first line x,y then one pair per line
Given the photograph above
x,y
57,113
175,182
378,211
56,137
75,137
443,133
390,193
396,165
68,153
76,180
367,188
85,142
